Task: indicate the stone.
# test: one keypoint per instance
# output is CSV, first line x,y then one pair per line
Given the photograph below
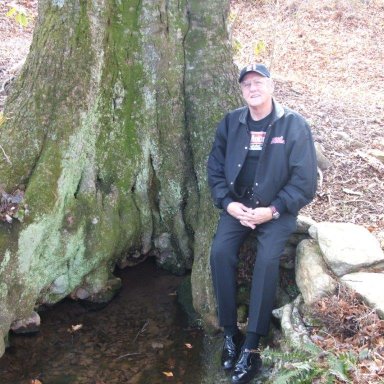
x,y
380,237
80,293
60,285
304,223
348,247
30,324
343,136
379,155
369,286
312,274
292,325
322,162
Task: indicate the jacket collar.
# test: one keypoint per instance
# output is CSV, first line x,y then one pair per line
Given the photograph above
x,y
278,112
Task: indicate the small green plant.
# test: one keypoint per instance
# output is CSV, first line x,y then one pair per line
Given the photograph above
x,y
259,48
310,364
19,13
236,46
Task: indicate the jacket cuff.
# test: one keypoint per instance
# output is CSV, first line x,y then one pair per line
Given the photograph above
x,y
225,202
279,205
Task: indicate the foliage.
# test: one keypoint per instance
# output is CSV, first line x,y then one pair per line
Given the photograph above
x,y
310,364
348,325
19,13
259,48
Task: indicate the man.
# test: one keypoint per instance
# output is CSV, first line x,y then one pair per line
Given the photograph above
x,y
261,170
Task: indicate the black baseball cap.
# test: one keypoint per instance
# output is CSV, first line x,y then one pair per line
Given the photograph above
x,y
261,69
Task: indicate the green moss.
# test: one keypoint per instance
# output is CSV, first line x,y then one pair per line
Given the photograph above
x,y
118,148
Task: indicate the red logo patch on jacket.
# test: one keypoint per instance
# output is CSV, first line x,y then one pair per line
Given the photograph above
x,y
278,140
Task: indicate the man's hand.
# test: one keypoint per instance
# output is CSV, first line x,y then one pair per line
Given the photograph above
x,y
242,213
247,216
261,215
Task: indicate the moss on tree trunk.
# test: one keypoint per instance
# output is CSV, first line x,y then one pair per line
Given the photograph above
x,y
108,129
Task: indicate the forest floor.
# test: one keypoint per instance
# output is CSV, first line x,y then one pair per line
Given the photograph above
x,y
327,59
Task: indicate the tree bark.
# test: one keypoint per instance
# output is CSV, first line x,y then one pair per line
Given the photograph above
x,y
108,130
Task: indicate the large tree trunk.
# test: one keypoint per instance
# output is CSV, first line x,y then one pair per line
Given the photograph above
x,y
108,129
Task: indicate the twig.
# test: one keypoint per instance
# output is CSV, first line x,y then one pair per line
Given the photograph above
x,y
372,161
141,330
321,177
5,155
128,354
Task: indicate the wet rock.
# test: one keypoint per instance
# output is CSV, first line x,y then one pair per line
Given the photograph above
x,y
131,259
166,257
30,324
102,294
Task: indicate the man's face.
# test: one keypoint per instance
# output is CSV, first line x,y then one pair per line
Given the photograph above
x,y
257,90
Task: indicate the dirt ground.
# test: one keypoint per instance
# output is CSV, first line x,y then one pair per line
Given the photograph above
x,y
327,59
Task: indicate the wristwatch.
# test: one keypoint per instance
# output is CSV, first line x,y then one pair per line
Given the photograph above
x,y
275,213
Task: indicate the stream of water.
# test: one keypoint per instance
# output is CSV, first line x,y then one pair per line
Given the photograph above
x,y
141,337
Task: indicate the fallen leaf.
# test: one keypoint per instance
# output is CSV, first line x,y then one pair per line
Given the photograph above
x,y
168,374
75,328
189,346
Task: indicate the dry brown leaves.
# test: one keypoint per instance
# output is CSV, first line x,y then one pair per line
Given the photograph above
x,y
348,325
327,61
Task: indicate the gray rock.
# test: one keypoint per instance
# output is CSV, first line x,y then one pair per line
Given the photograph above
x,y
60,285
312,231
292,324
304,223
369,286
344,136
322,162
30,324
312,274
379,155
347,247
380,237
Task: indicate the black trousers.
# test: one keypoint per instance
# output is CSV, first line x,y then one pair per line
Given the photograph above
x,y
271,238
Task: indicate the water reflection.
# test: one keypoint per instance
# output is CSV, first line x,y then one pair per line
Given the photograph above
x,y
141,337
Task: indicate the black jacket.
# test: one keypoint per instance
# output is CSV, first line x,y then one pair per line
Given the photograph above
x,y
286,175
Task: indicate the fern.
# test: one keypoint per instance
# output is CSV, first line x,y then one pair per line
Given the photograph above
x,y
302,366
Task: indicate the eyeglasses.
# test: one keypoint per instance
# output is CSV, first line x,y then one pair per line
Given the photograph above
x,y
255,83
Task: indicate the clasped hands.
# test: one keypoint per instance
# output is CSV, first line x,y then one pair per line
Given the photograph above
x,y
249,217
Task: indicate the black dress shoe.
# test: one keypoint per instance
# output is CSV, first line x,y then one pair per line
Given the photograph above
x,y
246,367
231,350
